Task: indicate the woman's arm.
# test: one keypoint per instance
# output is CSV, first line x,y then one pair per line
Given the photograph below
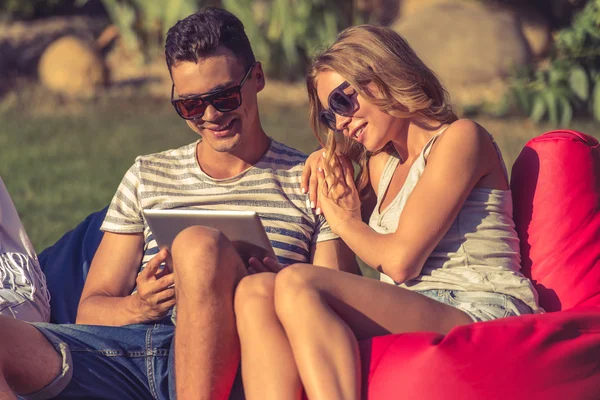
x,y
462,156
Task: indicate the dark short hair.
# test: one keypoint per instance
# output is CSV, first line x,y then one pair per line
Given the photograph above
x,y
199,34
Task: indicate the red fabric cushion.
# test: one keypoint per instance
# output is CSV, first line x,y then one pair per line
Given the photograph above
x,y
556,191
551,356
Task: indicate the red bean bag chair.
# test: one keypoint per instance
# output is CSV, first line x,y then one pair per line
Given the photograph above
x,y
556,192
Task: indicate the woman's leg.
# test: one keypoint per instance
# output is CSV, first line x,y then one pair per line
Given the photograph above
x,y
323,313
268,367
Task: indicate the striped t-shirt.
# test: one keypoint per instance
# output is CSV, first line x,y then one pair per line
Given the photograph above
x,y
173,180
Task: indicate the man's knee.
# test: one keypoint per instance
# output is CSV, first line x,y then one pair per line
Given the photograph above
x,y
202,247
204,257
254,293
197,241
28,361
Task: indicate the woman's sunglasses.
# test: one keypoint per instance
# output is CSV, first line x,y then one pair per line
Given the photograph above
x,y
339,103
223,100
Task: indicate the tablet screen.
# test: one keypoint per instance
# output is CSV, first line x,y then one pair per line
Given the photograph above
x,y
243,228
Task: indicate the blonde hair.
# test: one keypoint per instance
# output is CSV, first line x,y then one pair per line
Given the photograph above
x,y
406,87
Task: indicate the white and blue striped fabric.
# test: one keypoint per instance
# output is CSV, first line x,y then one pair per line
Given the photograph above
x,y
173,180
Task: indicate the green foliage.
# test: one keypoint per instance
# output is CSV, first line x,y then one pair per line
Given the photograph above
x,y
569,82
26,9
143,24
286,33
57,178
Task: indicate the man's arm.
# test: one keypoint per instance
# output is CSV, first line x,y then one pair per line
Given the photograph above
x,y
334,254
107,298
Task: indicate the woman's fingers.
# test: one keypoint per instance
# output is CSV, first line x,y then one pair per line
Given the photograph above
x,y
309,180
322,182
304,179
348,171
313,187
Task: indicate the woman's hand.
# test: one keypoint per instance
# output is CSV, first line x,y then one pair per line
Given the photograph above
x,y
338,197
309,180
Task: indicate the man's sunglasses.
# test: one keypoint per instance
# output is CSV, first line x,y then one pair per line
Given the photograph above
x,y
223,100
339,103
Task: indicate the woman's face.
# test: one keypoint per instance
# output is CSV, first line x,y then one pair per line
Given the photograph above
x,y
368,124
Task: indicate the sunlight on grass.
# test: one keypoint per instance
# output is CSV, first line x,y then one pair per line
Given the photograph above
x,y
63,163
60,168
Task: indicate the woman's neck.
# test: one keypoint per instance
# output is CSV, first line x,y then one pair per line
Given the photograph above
x,y
411,140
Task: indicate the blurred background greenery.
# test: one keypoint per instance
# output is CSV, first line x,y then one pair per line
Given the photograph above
x,y
84,89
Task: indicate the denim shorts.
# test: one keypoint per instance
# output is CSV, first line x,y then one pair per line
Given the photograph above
x,y
105,362
101,362
480,306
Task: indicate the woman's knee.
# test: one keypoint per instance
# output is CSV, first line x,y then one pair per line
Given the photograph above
x,y
254,294
291,286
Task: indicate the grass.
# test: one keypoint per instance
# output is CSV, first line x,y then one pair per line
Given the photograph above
x,y
65,160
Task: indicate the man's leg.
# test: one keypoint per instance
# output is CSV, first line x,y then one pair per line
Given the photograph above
x,y
207,269
28,362
84,361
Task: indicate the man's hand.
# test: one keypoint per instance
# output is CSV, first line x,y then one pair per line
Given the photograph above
x,y
268,264
155,293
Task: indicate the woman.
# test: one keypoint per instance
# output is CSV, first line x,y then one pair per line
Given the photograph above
x,y
441,230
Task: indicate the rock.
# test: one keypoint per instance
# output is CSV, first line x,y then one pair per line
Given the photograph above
x,y
409,7
465,43
72,67
381,11
537,33
27,40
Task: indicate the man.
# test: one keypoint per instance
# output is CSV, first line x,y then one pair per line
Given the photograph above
x,y
126,351
23,293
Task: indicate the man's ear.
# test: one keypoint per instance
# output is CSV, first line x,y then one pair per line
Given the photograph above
x,y
258,73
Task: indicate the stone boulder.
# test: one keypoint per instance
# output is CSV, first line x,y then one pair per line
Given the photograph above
x,y
537,33
534,27
72,67
467,44
409,7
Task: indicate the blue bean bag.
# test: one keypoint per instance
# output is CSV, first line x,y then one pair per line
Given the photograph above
x,y
66,265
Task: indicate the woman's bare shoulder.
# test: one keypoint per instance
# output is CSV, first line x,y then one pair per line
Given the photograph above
x,y
465,135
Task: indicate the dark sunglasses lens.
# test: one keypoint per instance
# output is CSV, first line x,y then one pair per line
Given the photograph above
x,y
327,118
190,109
341,104
227,102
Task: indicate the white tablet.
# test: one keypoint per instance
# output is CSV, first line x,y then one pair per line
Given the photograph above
x,y
242,228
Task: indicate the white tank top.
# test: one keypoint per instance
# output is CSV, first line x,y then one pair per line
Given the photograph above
x,y
480,251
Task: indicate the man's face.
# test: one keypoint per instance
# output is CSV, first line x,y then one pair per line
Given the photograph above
x,y
222,131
